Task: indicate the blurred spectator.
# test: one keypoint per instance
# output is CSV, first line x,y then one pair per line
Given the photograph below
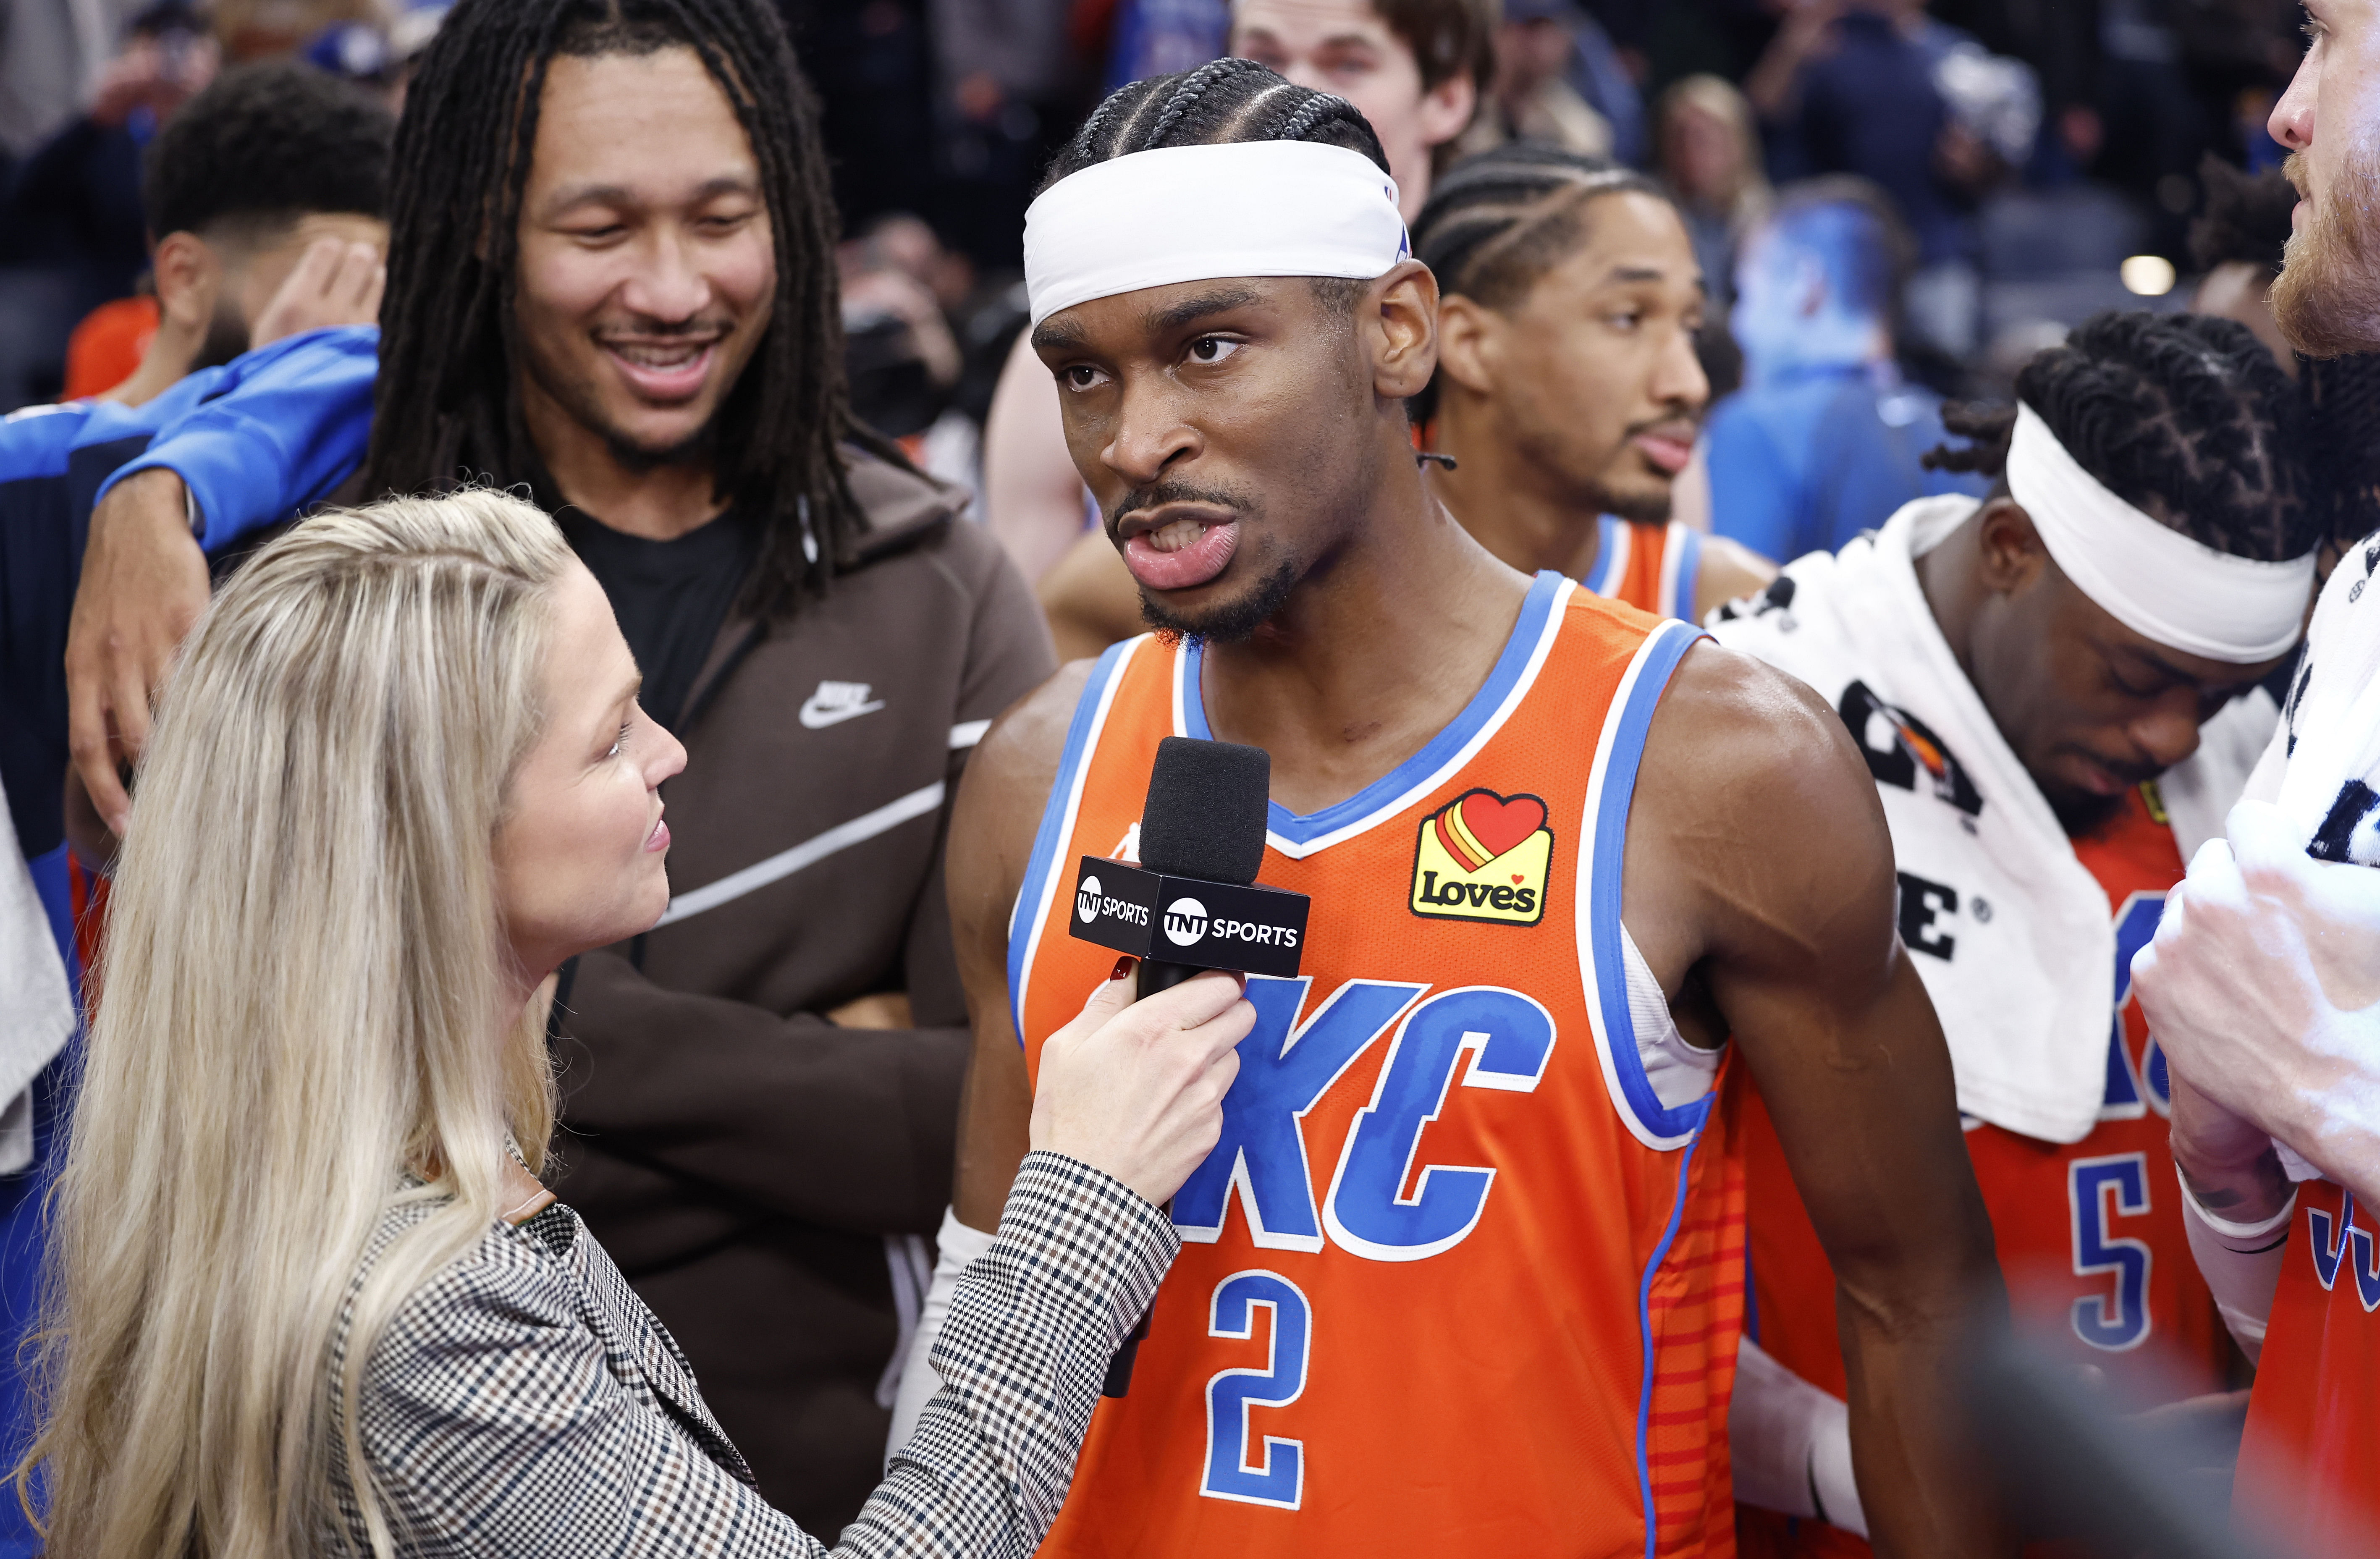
x,y
1708,152
900,289
1825,439
1161,37
1876,87
268,29
2236,245
1533,98
50,50
75,203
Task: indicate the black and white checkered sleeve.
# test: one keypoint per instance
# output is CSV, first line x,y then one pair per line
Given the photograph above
x,y
1022,1357
502,1413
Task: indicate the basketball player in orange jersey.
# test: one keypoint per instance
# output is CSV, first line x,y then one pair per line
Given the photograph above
x,y
2028,678
1566,396
2264,973
1465,1271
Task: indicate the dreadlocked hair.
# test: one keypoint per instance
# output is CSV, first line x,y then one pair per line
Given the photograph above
x,y
1499,220
446,412
2184,416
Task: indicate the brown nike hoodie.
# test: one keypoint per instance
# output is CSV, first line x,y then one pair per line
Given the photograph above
x,y
766,1179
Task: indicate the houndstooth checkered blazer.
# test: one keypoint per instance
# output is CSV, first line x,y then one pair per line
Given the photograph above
x,y
525,1402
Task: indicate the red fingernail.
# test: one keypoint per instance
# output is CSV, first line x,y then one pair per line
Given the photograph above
x,y
1124,967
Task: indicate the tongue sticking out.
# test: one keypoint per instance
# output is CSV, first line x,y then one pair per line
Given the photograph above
x,y
1181,556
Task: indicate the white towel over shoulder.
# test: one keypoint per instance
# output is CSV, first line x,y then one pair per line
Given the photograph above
x,y
36,1010
2009,931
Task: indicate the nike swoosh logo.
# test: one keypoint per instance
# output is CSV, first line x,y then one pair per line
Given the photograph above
x,y
817,718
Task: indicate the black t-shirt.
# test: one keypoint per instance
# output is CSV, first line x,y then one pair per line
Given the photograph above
x,y
670,597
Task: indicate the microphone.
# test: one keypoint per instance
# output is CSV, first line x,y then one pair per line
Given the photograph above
x,y
1194,902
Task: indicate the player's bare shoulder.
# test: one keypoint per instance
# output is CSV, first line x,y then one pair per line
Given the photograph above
x,y
1000,796
1754,818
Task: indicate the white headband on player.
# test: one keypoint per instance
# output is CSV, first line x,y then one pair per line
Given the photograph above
x,y
1195,214
2152,579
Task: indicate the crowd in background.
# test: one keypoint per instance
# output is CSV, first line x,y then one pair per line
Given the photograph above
x,y
2026,165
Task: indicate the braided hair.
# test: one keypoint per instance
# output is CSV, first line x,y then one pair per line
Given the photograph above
x,y
1499,220
1223,102
2342,397
446,411
2184,415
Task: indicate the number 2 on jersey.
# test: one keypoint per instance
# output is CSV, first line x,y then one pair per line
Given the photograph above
x,y
1276,1476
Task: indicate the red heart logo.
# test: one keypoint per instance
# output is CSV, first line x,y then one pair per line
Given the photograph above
x,y
1518,878
1498,823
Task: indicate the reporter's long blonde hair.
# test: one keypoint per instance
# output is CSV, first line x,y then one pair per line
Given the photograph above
x,y
301,975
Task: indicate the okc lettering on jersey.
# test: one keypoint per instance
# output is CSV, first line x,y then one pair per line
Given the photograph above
x,y
1285,1071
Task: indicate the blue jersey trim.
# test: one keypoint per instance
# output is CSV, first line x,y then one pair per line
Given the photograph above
x,y
1662,652
1600,579
1645,1333
1032,899
1689,542
1519,650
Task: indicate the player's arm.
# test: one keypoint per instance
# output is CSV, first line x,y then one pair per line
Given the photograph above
x,y
993,825
1091,598
1767,872
1729,570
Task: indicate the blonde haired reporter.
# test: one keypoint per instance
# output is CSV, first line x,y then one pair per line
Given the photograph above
x,y
305,1297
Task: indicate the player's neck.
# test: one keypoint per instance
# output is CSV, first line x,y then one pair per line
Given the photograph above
x,y
659,501
1502,498
1379,647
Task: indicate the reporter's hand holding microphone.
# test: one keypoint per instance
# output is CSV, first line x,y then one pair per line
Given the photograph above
x,y
1135,1088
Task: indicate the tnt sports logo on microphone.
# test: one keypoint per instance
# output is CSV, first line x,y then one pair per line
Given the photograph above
x,y
1087,900
1186,922
1484,857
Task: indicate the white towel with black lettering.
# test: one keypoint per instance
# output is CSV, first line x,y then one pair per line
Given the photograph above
x,y
2323,769
2009,931
36,1009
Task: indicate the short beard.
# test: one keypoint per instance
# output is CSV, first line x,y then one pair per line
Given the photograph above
x,y
1587,495
227,338
1231,622
2328,300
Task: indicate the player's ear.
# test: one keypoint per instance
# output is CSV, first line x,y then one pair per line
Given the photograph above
x,y
186,273
1399,320
1468,336
2011,551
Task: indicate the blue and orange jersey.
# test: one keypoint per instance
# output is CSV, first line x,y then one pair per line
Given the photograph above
x,y
1466,1268
2089,1233
1655,567
2313,1441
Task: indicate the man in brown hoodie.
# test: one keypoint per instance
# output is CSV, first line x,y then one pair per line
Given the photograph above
x,y
760,1093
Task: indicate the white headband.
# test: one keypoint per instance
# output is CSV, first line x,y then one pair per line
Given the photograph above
x,y
2152,579
1193,214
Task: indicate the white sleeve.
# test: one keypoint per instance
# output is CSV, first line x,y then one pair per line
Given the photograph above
x,y
959,1245
2241,1263
1791,1444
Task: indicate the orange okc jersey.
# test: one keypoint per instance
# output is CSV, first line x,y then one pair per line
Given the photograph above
x,y
2089,1233
1654,567
2307,1462
1467,1264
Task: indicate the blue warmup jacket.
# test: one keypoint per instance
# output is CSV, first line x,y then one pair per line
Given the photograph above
x,y
256,440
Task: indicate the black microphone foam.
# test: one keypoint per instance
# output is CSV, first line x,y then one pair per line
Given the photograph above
x,y
1206,812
